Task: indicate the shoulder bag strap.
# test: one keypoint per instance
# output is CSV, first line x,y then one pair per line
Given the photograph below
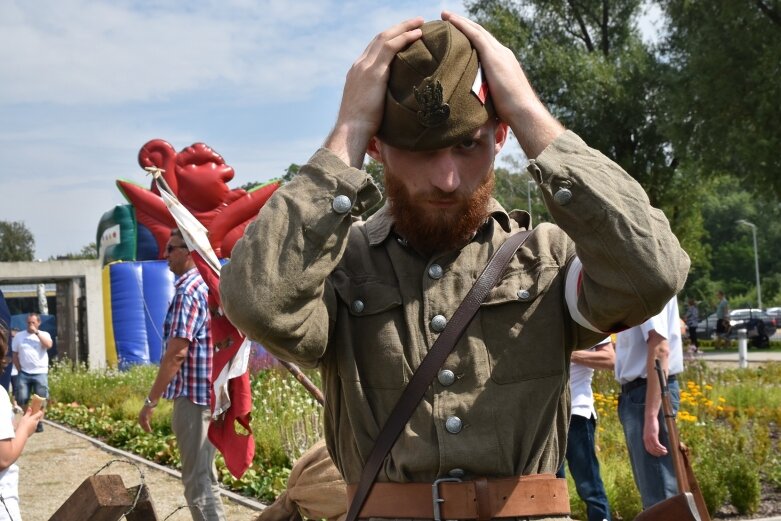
x,y
428,368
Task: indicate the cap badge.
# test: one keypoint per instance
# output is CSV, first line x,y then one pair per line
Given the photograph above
x,y
433,112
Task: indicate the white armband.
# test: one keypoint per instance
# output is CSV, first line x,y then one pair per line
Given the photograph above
x,y
571,291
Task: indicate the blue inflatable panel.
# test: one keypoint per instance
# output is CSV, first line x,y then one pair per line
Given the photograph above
x,y
158,283
146,244
128,314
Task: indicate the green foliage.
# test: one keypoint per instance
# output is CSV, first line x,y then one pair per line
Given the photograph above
x,y
291,172
105,404
621,491
744,487
597,76
724,93
90,251
729,419
710,476
16,242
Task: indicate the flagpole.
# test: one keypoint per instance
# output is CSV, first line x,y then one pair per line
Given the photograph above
x,y
308,384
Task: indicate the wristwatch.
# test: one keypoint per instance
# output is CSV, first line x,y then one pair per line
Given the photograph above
x,y
149,403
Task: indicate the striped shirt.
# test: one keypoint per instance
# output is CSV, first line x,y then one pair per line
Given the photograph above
x,y
188,317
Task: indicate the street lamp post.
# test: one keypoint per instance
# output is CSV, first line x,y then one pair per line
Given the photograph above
x,y
756,257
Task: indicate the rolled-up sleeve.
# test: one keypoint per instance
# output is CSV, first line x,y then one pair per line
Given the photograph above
x,y
632,263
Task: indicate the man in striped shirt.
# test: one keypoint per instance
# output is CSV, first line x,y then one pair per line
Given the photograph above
x,y
184,377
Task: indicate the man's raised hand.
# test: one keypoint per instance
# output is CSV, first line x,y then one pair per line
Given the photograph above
x,y
513,96
363,98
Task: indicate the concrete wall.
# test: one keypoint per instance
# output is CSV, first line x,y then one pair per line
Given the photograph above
x,y
70,273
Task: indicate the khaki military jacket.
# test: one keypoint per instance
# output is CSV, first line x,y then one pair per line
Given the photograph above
x,y
319,287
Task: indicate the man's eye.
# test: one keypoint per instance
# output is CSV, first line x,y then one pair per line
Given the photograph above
x,y
468,144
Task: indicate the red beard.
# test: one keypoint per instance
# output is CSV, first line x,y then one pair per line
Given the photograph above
x,y
436,230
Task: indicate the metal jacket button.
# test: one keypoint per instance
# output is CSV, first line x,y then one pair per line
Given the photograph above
x,y
453,425
446,377
438,323
523,294
342,204
435,271
357,306
562,196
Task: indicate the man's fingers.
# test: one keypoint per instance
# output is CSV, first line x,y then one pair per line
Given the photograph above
x,y
401,28
473,30
393,40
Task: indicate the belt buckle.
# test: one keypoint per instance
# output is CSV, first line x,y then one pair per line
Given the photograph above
x,y
436,499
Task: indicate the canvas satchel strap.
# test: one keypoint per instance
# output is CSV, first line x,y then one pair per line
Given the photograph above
x,y
429,366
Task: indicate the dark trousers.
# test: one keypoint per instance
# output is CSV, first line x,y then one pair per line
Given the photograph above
x,y
584,466
693,336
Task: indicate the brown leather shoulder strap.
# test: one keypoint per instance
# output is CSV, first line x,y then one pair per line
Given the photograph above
x,y
428,368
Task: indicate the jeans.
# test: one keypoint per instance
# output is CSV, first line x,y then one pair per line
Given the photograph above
x,y
584,466
654,476
190,423
26,384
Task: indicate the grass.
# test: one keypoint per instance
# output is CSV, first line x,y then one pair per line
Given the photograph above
x,y
728,417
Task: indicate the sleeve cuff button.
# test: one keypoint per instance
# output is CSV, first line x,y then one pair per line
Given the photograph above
x,y
342,204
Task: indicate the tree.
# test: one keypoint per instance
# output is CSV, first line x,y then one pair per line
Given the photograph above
x,y
724,96
16,242
590,66
90,251
291,172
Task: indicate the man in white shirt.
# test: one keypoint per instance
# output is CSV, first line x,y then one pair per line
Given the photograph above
x,y
639,406
581,451
32,362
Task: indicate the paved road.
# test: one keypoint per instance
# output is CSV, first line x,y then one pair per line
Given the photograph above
x,y
754,356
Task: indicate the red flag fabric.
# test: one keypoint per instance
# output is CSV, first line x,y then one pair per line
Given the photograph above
x,y
238,449
229,368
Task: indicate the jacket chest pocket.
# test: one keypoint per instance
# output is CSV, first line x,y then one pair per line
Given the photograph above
x,y
522,326
369,334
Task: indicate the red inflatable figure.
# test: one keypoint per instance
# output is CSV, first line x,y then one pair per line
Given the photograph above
x,y
198,176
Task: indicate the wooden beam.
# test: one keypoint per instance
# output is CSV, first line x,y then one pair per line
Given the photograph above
x,y
99,498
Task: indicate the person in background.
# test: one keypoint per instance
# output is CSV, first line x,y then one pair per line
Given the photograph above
x,y
639,405
582,458
12,437
32,362
692,318
185,377
723,325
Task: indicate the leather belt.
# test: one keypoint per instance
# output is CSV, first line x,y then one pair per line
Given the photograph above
x,y
639,382
481,499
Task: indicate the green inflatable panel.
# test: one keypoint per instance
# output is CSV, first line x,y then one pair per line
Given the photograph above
x,y
117,235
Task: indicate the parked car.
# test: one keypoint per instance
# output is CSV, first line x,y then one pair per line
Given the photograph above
x,y
758,324
774,313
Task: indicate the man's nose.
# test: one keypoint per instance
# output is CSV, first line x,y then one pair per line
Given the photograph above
x,y
444,172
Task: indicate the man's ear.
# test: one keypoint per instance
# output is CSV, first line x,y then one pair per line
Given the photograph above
x,y
374,149
501,132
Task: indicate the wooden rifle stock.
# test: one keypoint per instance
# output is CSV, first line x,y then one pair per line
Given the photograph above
x,y
316,393
684,474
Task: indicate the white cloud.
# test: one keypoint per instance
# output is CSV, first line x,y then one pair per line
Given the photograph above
x,y
83,52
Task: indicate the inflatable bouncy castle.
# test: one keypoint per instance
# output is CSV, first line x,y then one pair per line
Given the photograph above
x,y
131,239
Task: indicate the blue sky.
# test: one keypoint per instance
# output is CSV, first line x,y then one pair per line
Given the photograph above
x,y
84,84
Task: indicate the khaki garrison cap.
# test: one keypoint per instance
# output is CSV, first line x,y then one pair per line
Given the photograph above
x,y
429,103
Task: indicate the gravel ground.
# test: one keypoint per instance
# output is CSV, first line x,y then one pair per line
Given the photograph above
x,y
56,461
